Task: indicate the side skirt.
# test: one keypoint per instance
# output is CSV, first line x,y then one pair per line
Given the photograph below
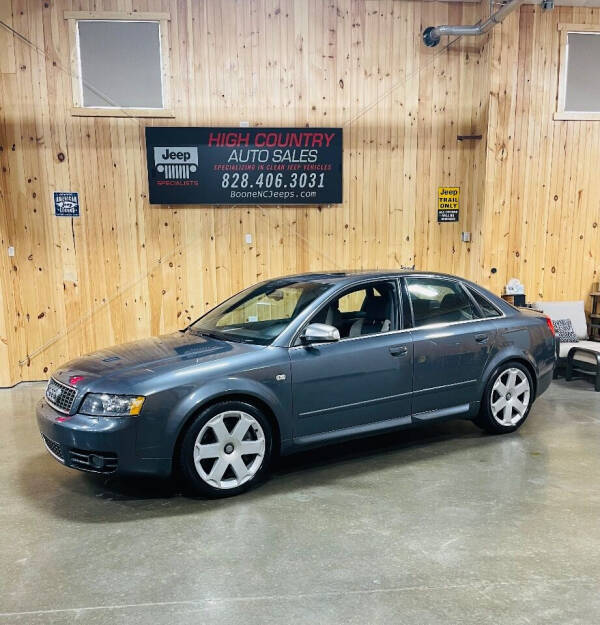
x,y
442,413
465,411
369,429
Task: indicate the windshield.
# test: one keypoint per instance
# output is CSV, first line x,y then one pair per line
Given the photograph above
x,y
261,313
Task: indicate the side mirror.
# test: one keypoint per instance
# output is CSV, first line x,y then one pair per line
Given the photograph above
x,y
320,333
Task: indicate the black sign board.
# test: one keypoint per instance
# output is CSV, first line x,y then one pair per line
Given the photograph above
x,y
244,165
66,204
447,214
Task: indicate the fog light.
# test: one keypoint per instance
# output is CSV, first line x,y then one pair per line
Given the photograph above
x,y
96,461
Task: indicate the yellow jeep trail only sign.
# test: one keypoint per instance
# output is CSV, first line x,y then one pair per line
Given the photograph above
x,y
448,203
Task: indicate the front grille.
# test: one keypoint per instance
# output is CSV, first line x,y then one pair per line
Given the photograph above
x,y
60,396
97,461
54,448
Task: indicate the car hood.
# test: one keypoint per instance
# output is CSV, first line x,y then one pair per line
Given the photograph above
x,y
149,356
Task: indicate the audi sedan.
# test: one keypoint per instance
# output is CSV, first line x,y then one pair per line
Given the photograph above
x,y
293,363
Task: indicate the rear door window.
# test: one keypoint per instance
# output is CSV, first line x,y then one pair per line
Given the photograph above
x,y
437,300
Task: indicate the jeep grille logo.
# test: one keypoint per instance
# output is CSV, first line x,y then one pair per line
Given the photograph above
x,y
176,163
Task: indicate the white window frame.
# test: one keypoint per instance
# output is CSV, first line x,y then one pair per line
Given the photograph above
x,y
561,114
78,109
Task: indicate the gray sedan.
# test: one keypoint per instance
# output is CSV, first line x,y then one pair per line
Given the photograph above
x,y
297,362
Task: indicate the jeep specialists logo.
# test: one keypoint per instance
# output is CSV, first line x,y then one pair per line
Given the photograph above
x,y
176,163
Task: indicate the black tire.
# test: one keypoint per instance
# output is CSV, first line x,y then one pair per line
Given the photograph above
x,y
486,419
187,462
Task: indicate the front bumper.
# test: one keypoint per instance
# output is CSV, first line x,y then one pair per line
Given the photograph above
x,y
95,444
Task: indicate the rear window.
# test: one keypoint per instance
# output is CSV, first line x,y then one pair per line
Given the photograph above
x,y
487,308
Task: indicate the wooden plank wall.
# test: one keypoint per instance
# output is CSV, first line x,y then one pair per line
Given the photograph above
x,y
542,206
125,270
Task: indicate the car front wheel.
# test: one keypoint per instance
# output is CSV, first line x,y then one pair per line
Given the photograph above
x,y
226,450
507,399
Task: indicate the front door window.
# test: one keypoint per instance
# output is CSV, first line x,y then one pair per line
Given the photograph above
x,y
364,310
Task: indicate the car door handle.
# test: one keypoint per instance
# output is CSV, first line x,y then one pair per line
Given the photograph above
x,y
481,338
398,350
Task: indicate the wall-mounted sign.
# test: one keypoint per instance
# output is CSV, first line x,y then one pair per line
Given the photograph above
x,y
448,203
244,165
66,204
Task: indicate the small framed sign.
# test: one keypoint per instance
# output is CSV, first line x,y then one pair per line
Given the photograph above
x,y
448,204
66,204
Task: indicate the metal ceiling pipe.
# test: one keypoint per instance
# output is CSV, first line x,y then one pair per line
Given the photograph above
x,y
432,34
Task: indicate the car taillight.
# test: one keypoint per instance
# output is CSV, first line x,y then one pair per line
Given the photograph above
x,y
551,326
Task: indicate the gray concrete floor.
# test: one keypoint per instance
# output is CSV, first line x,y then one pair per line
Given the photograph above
x,y
437,526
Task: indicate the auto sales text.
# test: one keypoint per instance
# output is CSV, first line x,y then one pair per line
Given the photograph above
x,y
274,156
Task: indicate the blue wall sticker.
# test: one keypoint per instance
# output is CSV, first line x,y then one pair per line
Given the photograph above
x,y
66,204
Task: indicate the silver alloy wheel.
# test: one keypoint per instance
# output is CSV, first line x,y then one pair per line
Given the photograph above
x,y
510,397
229,449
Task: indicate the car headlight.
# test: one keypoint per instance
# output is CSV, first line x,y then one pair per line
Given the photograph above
x,y
103,405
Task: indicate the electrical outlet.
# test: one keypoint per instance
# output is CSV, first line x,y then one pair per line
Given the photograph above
x,y
11,251
248,238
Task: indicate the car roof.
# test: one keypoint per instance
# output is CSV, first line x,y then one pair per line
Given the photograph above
x,y
350,276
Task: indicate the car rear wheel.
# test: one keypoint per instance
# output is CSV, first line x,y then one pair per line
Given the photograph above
x,y
226,450
507,399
